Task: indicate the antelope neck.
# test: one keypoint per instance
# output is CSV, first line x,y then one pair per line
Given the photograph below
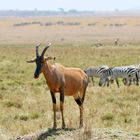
x,y
47,70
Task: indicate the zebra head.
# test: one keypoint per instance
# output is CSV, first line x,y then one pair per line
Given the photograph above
x,y
102,80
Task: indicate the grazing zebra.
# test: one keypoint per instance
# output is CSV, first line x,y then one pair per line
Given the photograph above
x,y
137,66
126,73
95,72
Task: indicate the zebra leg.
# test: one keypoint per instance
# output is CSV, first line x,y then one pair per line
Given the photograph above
x,y
107,82
130,78
124,81
128,81
117,82
92,80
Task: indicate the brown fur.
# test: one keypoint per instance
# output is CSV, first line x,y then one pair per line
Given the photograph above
x,y
73,80
66,81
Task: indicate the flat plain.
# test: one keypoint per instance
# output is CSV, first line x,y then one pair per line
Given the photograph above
x,y
25,103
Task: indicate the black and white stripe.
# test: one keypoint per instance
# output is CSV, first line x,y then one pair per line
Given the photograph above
x,y
95,71
126,73
136,66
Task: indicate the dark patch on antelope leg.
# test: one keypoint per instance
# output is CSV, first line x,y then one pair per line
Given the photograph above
x,y
54,108
78,101
80,104
62,95
61,105
53,97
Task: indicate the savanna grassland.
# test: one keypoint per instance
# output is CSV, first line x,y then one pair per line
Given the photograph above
x,y
25,103
73,30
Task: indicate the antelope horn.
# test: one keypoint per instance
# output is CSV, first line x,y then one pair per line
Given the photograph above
x,y
43,52
37,46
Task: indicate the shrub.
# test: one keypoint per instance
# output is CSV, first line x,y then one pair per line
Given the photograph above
x,y
23,117
107,116
34,115
12,104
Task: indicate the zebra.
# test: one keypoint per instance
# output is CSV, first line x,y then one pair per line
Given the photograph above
x,y
136,66
95,72
119,72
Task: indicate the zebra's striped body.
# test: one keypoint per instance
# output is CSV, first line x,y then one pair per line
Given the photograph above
x,y
136,66
119,72
95,71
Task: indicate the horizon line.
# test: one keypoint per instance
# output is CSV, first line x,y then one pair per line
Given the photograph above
x,y
58,10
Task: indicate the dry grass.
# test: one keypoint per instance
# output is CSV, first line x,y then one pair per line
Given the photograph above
x,y
25,103
90,29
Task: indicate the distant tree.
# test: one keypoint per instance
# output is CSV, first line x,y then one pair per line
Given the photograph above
x,y
61,10
116,10
35,10
72,11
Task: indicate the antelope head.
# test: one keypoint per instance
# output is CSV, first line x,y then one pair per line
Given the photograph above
x,y
40,60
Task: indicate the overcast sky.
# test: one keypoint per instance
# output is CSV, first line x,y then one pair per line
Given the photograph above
x,y
69,4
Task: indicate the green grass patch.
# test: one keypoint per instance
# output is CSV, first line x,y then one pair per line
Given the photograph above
x,y
108,117
23,117
34,115
12,104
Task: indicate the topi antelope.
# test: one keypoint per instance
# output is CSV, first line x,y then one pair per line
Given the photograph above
x,y
66,81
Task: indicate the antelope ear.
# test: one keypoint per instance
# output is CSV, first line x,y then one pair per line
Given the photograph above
x,y
49,58
31,61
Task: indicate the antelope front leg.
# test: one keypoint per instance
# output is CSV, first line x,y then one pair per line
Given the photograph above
x,y
54,109
61,106
81,116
